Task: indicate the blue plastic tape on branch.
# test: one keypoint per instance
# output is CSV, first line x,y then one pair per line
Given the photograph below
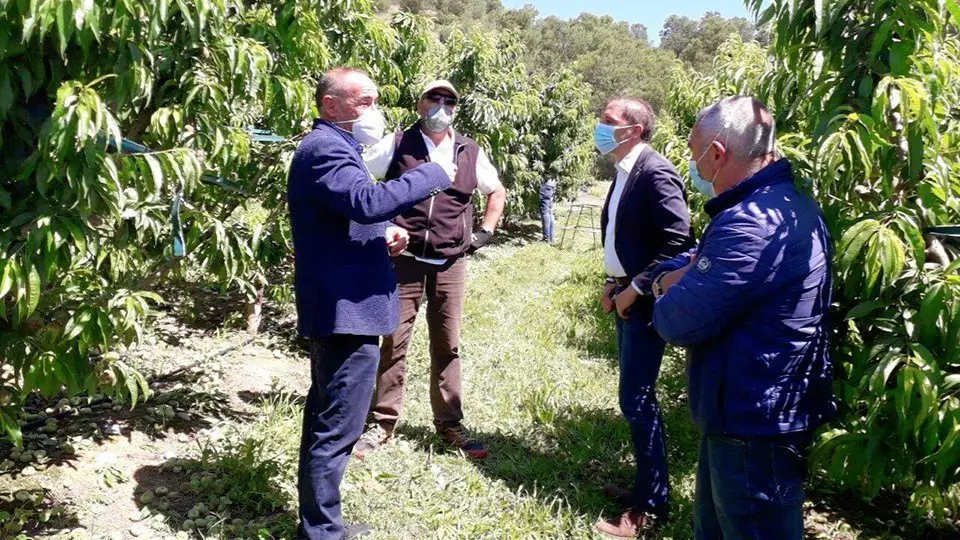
x,y
264,136
179,246
950,231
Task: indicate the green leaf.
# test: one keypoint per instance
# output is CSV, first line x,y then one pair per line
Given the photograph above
x,y
156,171
885,367
931,307
64,24
6,277
873,264
954,10
865,308
853,240
6,93
33,290
915,237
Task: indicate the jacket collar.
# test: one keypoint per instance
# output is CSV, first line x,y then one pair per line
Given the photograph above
x,y
776,172
317,123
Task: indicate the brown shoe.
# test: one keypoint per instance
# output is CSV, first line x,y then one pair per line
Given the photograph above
x,y
456,436
372,439
631,524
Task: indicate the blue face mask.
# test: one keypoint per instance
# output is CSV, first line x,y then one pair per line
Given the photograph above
x,y
605,139
699,183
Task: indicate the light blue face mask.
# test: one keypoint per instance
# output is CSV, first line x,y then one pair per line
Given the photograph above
x,y
605,137
702,185
699,183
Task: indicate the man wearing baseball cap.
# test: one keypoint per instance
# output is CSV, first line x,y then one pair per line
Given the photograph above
x,y
434,265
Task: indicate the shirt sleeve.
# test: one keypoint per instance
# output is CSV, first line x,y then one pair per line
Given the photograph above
x,y
488,180
377,158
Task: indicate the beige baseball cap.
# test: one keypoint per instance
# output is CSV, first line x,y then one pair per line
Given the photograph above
x,y
438,84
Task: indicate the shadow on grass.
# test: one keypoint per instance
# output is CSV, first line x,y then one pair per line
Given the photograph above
x,y
33,512
173,409
575,452
228,494
259,398
886,516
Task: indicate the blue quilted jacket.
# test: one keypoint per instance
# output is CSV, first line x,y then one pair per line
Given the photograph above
x,y
753,311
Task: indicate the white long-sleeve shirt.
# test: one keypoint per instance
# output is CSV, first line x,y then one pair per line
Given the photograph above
x,y
611,262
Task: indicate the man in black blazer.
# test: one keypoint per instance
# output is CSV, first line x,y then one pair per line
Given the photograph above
x,y
645,221
345,285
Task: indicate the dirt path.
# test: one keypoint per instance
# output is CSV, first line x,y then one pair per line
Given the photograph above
x,y
89,477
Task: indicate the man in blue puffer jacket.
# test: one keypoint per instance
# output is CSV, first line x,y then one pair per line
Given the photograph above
x,y
751,303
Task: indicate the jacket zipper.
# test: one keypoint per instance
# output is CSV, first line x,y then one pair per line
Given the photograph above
x,y
426,237
463,218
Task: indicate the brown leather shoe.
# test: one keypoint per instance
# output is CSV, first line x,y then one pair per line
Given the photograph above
x,y
372,439
632,524
456,436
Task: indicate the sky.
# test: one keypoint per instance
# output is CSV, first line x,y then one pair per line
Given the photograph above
x,y
646,12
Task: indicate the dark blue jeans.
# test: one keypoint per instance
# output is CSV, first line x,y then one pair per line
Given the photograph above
x,y
750,489
343,371
547,192
641,351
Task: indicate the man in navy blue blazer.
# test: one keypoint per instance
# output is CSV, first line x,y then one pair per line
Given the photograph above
x,y
345,285
644,221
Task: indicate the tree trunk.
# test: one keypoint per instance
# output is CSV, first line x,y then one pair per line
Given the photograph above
x,y
936,253
255,313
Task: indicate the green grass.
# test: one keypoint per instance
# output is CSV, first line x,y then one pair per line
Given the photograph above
x,y
540,389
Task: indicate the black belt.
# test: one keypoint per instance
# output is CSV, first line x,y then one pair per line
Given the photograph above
x,y
622,281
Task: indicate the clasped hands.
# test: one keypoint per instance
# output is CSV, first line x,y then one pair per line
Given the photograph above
x,y
624,300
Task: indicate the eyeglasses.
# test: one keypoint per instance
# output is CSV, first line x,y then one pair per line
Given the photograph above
x,y
442,99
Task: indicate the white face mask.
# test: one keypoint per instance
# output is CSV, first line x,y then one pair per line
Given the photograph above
x,y
368,128
438,119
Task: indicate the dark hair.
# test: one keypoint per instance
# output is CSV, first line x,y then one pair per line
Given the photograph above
x,y
639,112
331,83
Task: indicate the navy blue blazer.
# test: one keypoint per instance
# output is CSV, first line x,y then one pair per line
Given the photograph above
x,y
653,223
344,280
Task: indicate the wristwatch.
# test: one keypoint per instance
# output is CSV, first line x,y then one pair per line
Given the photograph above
x,y
657,285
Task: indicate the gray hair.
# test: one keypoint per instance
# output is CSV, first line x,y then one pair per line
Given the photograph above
x,y
743,123
332,83
638,112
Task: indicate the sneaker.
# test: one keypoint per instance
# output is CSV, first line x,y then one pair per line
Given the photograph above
x,y
631,524
456,436
372,439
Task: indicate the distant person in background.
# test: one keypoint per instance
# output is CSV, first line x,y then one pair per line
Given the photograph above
x,y
751,303
434,265
547,192
644,221
345,287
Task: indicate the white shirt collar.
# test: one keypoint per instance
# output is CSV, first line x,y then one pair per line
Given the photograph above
x,y
627,163
447,140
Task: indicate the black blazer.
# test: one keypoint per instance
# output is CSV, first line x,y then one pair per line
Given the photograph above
x,y
653,223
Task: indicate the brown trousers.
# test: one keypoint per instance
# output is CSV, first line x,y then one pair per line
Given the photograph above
x,y
444,288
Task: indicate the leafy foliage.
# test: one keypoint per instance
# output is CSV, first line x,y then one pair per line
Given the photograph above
x,y
90,224
866,98
697,42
